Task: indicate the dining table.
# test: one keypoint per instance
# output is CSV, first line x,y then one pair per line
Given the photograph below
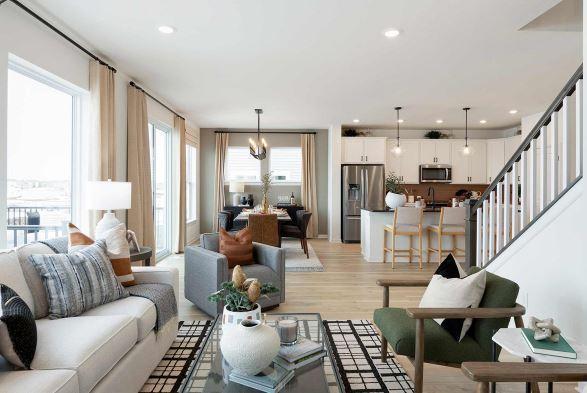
x,y
282,215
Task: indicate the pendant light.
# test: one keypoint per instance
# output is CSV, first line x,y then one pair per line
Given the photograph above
x,y
466,148
258,149
397,150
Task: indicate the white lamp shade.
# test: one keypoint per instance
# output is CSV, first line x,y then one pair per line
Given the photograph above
x,y
236,186
108,195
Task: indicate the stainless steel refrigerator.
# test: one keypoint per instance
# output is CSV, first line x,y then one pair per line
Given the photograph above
x,y
363,187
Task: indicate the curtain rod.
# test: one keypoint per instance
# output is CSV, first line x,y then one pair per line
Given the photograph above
x,y
266,132
154,99
59,32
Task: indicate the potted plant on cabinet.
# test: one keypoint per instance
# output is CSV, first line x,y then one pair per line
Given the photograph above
x,y
240,297
395,196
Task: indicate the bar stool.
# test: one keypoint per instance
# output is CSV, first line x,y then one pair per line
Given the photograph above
x,y
407,221
451,223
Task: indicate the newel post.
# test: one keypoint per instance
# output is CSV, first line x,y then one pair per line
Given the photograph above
x,y
471,234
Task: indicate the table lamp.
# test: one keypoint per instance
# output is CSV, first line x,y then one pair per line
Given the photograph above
x,y
237,187
108,196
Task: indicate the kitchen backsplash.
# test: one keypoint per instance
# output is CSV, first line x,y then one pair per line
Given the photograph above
x,y
442,192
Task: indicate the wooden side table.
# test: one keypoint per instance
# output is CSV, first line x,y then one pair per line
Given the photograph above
x,y
144,254
512,341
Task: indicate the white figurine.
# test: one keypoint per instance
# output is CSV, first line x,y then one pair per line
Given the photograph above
x,y
544,329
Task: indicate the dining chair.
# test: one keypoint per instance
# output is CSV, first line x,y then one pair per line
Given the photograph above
x,y
225,220
265,229
299,230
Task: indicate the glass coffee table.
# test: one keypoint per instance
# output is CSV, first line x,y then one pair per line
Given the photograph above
x,y
209,373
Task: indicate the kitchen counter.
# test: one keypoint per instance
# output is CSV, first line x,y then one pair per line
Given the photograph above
x,y
373,222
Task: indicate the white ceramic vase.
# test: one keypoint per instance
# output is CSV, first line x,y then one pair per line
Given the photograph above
x,y
250,346
233,318
395,200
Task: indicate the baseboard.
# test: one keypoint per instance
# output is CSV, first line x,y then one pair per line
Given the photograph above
x,y
322,236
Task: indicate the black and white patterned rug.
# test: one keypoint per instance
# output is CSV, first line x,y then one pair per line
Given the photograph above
x,y
356,348
357,352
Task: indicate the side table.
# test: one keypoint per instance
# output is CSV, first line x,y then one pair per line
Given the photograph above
x,y
144,254
512,341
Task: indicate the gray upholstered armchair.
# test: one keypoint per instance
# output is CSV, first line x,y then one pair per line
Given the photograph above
x,y
205,269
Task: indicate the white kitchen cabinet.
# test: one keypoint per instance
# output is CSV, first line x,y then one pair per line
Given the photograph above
x,y
495,157
468,169
511,145
435,151
478,161
407,164
358,150
374,150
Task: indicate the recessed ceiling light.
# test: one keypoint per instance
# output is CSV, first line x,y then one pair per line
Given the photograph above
x,y
513,111
400,120
166,29
391,33
482,121
356,120
439,121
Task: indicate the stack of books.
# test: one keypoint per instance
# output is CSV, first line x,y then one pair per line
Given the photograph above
x,y
302,353
271,380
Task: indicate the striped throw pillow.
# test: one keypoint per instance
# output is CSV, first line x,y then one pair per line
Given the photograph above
x,y
117,249
78,281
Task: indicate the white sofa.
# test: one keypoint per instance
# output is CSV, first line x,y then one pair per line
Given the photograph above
x,y
112,348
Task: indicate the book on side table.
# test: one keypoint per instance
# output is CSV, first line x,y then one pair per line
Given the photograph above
x,y
545,347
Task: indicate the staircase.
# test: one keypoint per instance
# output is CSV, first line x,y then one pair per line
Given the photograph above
x,y
546,166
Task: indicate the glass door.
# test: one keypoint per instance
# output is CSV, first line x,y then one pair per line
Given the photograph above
x,y
160,142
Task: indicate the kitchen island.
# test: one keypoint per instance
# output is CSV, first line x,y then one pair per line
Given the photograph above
x,y
373,222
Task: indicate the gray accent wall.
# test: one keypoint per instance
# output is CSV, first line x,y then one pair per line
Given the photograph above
x,y
207,158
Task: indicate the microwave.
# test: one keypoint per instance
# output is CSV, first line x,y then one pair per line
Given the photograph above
x,y
435,173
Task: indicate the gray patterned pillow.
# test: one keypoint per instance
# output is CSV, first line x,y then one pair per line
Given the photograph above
x,y
79,281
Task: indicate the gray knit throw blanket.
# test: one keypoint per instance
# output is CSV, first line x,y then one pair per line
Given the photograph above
x,y
163,297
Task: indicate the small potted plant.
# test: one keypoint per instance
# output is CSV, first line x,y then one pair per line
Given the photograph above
x,y
240,297
395,196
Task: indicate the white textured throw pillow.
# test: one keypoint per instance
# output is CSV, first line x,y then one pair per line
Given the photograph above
x,y
455,293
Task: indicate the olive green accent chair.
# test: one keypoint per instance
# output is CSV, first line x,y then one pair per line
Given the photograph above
x,y
412,332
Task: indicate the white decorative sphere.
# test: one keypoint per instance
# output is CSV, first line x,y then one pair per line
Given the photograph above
x,y
250,346
395,200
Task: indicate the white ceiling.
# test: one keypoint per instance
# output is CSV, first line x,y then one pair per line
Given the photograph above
x,y
312,63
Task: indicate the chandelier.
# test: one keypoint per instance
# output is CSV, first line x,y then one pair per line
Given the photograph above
x,y
258,149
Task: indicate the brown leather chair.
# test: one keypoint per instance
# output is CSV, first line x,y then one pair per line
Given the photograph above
x,y
265,229
299,230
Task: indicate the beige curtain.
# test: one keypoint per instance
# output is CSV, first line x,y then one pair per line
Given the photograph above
x,y
309,200
221,148
179,126
102,143
140,215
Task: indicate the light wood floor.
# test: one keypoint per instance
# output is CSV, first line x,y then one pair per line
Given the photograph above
x,y
347,290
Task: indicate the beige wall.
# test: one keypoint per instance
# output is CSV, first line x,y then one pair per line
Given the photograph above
x,y
207,156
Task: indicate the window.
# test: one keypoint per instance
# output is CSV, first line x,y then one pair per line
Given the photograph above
x,y
191,181
43,122
286,164
160,142
240,165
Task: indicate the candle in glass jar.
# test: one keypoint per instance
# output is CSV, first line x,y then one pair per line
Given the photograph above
x,y
288,331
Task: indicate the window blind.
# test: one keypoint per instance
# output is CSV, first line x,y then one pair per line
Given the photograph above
x,y
240,165
286,164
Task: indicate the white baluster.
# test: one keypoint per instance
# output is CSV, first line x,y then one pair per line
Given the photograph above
x,y
554,157
491,224
485,231
579,127
532,181
515,174
565,142
543,168
523,184
479,237
506,207
498,220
